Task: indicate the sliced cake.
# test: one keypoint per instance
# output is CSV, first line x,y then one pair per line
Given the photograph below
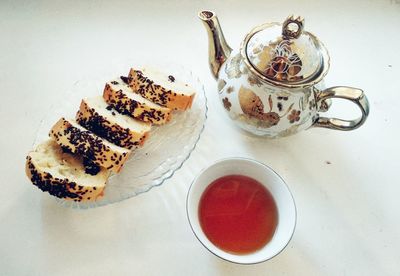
x,y
162,89
100,118
121,97
76,139
64,175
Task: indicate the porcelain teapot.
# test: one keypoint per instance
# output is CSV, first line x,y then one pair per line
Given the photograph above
x,y
273,85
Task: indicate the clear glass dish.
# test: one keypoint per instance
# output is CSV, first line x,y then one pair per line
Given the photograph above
x,y
167,148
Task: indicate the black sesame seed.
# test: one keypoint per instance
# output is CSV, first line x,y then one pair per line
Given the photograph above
x,y
171,78
126,80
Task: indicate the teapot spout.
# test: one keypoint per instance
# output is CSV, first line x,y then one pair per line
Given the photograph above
x,y
218,49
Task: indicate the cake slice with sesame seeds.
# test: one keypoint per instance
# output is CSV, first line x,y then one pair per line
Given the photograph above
x,y
160,88
73,137
64,175
122,98
100,118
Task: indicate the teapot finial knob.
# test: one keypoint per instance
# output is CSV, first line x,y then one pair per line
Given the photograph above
x,y
289,30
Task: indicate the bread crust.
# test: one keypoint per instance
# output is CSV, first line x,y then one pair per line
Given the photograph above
x,y
127,106
61,188
111,131
156,93
88,144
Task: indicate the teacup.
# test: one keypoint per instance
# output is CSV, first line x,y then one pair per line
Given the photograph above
x,y
286,208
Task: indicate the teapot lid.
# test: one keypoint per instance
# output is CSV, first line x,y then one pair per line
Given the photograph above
x,y
285,54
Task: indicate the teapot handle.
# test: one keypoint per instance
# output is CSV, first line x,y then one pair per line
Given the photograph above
x,y
348,93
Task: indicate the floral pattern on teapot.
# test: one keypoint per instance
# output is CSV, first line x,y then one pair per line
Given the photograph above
x,y
261,108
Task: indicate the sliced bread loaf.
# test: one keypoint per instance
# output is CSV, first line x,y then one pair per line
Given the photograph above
x,y
121,97
162,89
75,138
64,175
97,116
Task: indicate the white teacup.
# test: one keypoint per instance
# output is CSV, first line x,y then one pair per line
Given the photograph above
x,y
275,185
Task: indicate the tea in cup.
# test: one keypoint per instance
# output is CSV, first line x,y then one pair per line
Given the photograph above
x,y
241,211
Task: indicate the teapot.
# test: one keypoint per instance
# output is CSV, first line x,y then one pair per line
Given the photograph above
x,y
273,85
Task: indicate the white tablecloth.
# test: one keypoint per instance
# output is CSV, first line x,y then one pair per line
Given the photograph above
x,y
345,184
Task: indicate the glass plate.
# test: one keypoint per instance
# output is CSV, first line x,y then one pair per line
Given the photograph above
x,y
167,148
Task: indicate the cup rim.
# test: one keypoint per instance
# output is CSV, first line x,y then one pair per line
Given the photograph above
x,y
276,174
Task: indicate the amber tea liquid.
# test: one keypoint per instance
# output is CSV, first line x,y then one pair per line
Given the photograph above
x,y
238,214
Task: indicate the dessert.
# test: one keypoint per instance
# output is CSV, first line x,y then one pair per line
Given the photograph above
x,y
77,161
76,139
165,90
100,118
64,175
121,97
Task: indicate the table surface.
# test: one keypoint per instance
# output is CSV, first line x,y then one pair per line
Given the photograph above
x,y
345,184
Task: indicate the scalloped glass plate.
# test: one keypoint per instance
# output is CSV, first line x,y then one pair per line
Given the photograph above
x,y
167,148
